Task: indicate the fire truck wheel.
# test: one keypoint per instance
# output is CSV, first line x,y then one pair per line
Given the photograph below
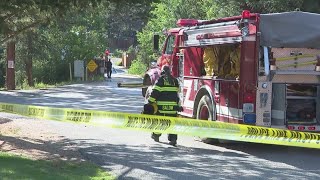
x,y
205,112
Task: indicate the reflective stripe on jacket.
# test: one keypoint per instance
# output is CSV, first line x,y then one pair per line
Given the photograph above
x,y
165,95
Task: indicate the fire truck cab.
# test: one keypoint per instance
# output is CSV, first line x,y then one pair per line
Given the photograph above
x,y
257,69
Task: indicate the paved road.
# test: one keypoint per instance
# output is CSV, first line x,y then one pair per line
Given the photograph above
x,y
133,155
96,95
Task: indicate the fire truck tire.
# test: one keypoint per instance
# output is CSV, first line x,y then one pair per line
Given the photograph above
x,y
205,112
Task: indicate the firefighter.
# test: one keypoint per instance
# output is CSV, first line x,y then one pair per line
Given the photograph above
x,y
109,68
165,95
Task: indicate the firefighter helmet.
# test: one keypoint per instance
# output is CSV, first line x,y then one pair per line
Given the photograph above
x,y
165,70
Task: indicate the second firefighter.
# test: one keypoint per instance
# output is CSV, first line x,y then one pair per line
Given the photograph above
x,y
165,95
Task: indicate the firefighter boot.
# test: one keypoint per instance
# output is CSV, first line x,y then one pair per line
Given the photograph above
x,y
173,143
155,137
172,139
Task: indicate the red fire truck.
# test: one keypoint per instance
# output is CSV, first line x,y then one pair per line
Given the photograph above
x,y
257,69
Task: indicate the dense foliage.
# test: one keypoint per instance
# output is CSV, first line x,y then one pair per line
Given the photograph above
x,y
49,35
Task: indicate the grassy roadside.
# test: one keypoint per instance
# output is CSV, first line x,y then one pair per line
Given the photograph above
x,y
46,86
17,167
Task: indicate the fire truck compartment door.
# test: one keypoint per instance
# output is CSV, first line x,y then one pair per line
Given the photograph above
x,y
228,101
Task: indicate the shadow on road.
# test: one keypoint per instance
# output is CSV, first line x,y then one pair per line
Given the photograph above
x,y
195,163
4,120
283,154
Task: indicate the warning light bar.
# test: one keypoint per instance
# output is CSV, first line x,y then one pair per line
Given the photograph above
x,y
246,14
187,22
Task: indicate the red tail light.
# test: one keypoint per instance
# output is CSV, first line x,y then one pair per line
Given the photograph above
x,y
246,14
248,98
291,127
311,128
301,128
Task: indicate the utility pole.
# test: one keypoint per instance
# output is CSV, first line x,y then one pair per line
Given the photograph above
x,y
10,77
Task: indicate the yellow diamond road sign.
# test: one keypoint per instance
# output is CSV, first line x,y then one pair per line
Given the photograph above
x,y
92,66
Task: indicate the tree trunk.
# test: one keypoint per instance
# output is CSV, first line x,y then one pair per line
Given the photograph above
x,y
28,60
10,76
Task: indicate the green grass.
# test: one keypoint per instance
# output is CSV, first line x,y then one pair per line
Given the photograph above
x,y
20,168
41,85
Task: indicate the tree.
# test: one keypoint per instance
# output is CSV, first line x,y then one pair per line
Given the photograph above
x,y
222,8
19,16
79,36
123,20
19,19
164,15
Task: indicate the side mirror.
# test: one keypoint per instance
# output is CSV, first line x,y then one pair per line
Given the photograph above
x,y
156,42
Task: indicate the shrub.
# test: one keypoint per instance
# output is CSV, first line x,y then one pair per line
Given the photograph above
x,y
117,53
137,67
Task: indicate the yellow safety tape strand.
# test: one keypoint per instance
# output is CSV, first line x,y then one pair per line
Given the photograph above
x,y
299,64
172,125
294,57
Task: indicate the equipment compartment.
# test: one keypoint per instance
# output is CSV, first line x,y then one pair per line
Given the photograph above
x,y
301,104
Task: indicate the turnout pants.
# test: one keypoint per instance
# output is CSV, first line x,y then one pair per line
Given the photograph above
x,y
171,137
109,72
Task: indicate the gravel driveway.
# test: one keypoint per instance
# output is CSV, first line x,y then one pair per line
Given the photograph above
x,y
35,139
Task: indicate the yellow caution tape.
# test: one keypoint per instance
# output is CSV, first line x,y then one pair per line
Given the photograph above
x,y
172,125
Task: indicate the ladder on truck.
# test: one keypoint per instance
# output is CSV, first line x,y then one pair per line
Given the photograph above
x,y
202,35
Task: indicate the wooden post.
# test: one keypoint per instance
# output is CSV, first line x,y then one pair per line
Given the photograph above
x,y
86,74
10,75
70,69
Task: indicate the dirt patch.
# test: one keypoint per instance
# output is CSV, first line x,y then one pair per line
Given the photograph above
x,y
34,140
